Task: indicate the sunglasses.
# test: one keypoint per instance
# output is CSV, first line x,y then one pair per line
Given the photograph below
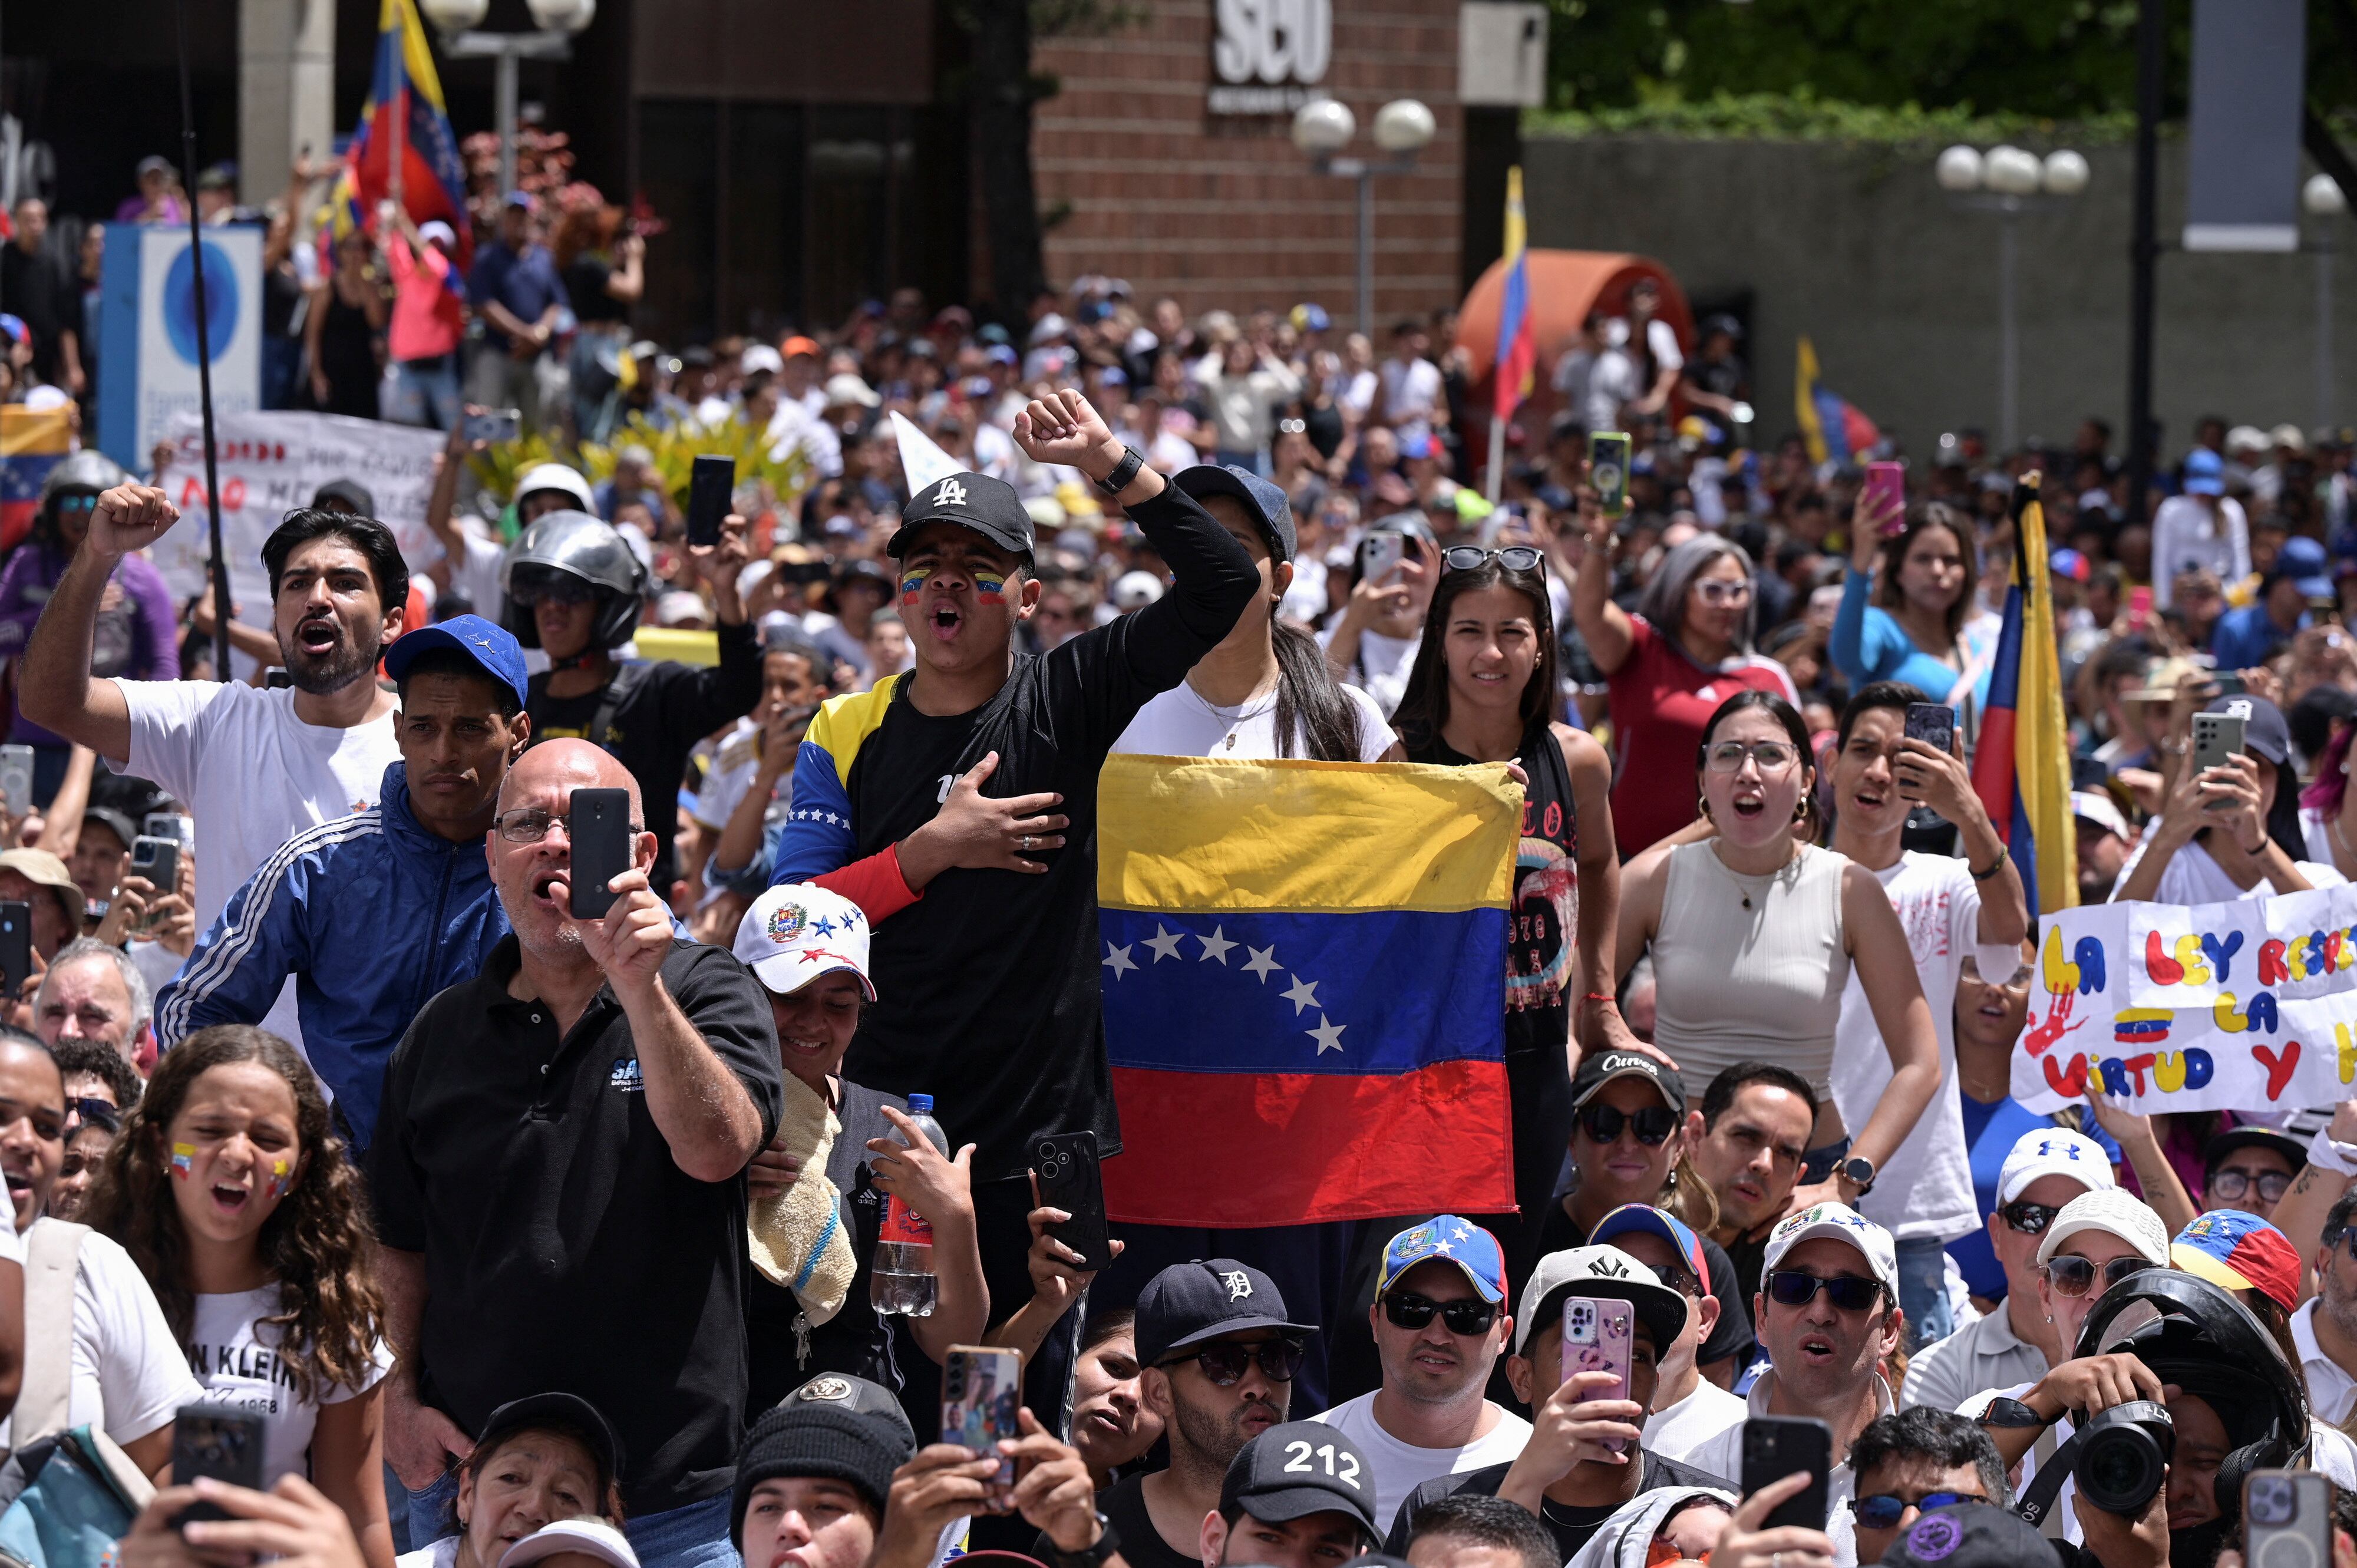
x,y
1514,557
84,502
1883,1510
2029,1218
1677,1279
2332,1239
1467,1316
1224,1364
2072,1276
2232,1185
1652,1125
96,1112
1848,1293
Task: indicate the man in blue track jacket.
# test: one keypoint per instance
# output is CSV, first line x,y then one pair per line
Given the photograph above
x,y
375,912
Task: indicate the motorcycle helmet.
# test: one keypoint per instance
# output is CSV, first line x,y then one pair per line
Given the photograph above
x,y
555,477
93,471
578,548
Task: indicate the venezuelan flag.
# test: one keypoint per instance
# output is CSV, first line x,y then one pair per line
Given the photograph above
x,y
1304,975
30,445
1831,424
1518,344
404,112
2021,769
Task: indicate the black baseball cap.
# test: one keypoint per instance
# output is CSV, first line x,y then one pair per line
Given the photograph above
x,y
990,507
1263,501
2264,732
1267,1480
1601,1068
1969,1535
836,1425
353,497
2215,1151
566,1413
1188,1303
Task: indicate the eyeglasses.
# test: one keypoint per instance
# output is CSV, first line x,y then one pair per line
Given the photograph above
x,y
1883,1510
1652,1125
2232,1185
1772,756
1224,1364
530,824
1467,1315
1514,557
1848,1293
95,1113
2029,1218
1719,591
2072,1275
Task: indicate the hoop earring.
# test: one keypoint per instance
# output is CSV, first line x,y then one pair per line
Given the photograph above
x,y
1801,811
1702,809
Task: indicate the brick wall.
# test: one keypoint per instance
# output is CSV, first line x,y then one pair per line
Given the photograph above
x,y
1222,209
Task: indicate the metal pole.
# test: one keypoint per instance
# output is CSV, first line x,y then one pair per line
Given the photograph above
x,y
2144,250
2008,353
507,115
1367,253
2324,327
204,358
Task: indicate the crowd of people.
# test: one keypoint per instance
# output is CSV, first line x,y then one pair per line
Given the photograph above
x,y
530,1231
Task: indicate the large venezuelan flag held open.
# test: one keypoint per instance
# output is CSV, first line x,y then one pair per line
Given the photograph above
x,y
404,119
1304,974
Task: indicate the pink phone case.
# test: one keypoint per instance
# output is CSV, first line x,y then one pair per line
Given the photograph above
x,y
1890,480
1596,1338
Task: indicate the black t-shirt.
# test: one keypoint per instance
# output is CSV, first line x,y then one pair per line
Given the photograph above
x,y
584,285
663,709
563,1247
1732,1334
40,288
1571,1527
1142,1546
787,1351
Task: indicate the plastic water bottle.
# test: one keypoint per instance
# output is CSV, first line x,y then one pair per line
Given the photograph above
x,y
903,1281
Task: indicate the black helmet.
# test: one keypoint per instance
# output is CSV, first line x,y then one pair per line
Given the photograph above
x,y
579,549
85,470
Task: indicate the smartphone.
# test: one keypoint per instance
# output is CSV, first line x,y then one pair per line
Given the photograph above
x,y
218,1441
1608,470
709,485
1888,479
15,944
492,425
1067,1166
1596,1338
2288,1519
1933,723
276,675
2139,608
2216,737
2230,683
170,825
1774,1446
600,830
158,860
1380,555
982,1387
16,779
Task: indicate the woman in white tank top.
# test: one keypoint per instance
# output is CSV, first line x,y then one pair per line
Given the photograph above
x,y
1754,931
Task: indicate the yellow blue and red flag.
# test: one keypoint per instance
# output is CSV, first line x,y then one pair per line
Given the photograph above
x,y
1518,344
2021,767
404,117
1304,969
1833,426
31,444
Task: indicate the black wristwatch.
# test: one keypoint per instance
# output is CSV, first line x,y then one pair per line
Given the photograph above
x,y
1859,1170
1107,1544
2010,1412
1125,470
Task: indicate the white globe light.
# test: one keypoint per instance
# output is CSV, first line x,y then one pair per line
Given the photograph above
x,y
1959,168
562,16
2010,171
455,16
1404,126
1324,126
2065,173
2323,196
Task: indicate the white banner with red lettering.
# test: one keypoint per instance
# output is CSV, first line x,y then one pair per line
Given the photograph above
x,y
2243,1006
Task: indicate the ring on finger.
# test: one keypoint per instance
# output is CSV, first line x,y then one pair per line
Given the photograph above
x,y
1025,842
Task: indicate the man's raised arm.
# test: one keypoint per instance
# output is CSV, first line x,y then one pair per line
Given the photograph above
x,y
56,691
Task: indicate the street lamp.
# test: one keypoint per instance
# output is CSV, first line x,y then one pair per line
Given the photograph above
x,y
2009,181
2323,199
1322,128
557,20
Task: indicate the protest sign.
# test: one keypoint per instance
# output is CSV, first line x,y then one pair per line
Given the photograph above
x,y
271,463
147,338
2241,1006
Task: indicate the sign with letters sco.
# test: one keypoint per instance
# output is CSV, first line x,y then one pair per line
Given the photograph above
x,y
1268,55
2241,1006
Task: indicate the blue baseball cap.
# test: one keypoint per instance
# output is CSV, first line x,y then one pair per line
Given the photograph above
x,y
2068,562
2303,560
1446,1238
2205,473
489,645
15,327
1651,1221
1264,502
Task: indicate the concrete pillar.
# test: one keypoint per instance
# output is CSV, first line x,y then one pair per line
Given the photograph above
x,y
286,90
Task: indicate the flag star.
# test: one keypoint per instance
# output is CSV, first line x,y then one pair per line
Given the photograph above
x,y
1264,962
1117,960
1303,994
823,926
1329,1038
1436,1246
1165,943
1215,946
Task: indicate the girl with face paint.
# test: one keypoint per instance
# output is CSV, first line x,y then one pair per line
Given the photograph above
x,y
231,1190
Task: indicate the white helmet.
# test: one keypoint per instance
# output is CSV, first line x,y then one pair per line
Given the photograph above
x,y
558,478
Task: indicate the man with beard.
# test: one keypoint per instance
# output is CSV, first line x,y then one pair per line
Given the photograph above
x,y
2324,1330
254,764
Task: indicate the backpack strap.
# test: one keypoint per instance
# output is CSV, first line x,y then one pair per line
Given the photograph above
x,y
52,1261
609,702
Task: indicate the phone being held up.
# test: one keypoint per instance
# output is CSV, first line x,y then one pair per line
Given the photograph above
x,y
1775,1446
709,485
600,832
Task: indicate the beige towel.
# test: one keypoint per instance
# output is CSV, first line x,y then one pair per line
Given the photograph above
x,y
798,1237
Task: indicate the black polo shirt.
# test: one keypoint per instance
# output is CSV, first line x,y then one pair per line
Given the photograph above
x,y
565,1248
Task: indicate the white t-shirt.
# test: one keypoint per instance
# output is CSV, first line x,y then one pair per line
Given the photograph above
x,y
2332,1391
1709,1411
129,1377
11,1248
239,1367
1662,342
1401,1467
734,762
443,1553
1181,723
254,776
1411,391
1383,667
2184,536
1925,1189
2194,877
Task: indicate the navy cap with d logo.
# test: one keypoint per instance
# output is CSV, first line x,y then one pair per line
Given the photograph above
x,y
1187,1304
1301,1468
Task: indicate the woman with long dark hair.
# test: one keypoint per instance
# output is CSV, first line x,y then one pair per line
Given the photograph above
x,y
1482,690
1920,582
